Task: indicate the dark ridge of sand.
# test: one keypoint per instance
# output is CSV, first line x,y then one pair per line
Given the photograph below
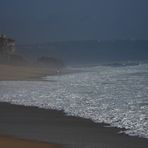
x,y
54,127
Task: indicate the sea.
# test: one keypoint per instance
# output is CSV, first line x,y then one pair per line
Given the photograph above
x,y
116,94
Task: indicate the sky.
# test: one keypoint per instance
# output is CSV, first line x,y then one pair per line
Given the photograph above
x,y
37,21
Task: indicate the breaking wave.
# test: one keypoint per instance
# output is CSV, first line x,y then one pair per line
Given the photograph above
x,y
114,95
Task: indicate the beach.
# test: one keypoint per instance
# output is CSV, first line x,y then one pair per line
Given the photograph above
x,y
13,72
51,126
9,142
36,126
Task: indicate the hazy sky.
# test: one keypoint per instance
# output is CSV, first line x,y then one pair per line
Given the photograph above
x,y
48,20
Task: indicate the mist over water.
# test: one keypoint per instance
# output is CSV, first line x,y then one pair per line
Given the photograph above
x,y
89,52
117,95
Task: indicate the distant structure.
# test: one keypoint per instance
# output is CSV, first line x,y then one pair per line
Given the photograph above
x,y
7,45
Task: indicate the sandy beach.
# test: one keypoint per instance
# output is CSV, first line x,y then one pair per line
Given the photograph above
x,y
9,142
12,72
41,126
54,127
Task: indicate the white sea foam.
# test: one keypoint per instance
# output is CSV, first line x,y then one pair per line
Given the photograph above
x,y
114,95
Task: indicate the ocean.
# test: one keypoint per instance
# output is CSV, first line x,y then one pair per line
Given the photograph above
x,y
117,95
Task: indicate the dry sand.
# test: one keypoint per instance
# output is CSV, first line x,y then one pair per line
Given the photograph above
x,y
10,142
11,72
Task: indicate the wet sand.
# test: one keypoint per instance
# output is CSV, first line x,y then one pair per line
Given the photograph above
x,y
54,127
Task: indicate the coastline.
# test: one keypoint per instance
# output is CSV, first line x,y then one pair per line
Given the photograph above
x,y
44,125
52,126
23,73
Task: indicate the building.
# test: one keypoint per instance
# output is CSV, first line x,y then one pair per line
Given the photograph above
x,y
7,46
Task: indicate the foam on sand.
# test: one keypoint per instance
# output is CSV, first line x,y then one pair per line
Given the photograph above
x,y
114,95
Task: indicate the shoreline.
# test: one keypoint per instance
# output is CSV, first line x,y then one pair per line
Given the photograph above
x,y
53,126
19,122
